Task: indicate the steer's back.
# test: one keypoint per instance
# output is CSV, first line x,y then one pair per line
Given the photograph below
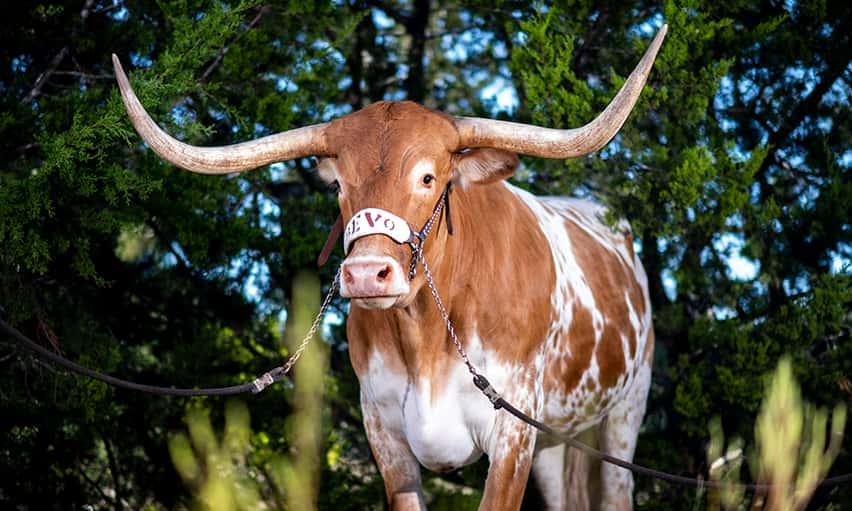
x,y
600,339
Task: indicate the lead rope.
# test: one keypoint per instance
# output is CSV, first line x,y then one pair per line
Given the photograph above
x,y
255,386
497,400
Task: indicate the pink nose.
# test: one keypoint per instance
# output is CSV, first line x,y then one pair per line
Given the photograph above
x,y
366,279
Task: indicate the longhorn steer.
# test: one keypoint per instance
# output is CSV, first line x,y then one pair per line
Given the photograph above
x,y
550,303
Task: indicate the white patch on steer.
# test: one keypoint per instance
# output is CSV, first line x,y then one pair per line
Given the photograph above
x,y
577,410
618,438
549,471
456,427
420,169
591,217
570,282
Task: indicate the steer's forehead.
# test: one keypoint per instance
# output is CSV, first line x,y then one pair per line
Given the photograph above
x,y
386,136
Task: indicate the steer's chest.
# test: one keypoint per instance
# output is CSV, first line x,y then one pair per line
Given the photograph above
x,y
446,422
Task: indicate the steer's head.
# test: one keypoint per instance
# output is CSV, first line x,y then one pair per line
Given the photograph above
x,y
391,162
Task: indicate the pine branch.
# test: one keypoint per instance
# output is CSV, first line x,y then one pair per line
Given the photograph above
x,y
263,10
835,70
205,76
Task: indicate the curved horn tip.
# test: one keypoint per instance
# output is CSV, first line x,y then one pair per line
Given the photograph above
x,y
657,41
661,34
567,143
120,76
116,63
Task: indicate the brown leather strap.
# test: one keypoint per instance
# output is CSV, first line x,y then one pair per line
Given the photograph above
x,y
333,236
447,208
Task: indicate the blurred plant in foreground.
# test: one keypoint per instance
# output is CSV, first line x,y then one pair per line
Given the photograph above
x,y
217,473
792,453
220,475
298,475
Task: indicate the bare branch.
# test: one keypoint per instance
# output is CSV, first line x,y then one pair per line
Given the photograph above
x,y
56,60
86,76
43,77
113,470
96,484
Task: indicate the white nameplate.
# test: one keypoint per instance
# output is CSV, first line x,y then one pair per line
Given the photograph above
x,y
371,221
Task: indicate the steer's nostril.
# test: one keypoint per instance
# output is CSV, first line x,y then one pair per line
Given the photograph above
x,y
383,274
347,276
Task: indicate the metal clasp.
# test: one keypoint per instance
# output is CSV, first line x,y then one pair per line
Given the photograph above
x,y
415,241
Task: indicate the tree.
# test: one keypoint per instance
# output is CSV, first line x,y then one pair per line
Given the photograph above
x,y
733,170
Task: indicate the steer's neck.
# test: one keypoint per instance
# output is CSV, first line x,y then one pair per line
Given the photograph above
x,y
483,273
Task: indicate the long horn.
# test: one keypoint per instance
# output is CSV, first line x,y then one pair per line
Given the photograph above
x,y
288,145
568,143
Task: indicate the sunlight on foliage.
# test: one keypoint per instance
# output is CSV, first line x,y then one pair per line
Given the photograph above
x,y
215,471
792,451
220,473
301,470
135,242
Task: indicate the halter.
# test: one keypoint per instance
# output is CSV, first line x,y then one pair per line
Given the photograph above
x,y
371,221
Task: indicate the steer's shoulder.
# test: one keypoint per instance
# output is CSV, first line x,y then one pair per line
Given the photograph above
x,y
593,218
569,222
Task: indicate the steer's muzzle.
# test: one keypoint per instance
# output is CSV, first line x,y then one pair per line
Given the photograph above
x,y
373,282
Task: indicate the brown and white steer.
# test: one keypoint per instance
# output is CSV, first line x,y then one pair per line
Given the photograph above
x,y
551,304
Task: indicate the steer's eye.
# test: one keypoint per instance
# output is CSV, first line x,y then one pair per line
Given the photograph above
x,y
427,179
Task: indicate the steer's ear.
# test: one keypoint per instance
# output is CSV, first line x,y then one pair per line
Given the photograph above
x,y
327,170
484,165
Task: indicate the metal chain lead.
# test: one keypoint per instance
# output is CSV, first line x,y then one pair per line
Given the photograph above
x,y
313,330
452,331
439,208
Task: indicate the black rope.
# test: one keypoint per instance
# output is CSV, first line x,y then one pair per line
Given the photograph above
x,y
260,383
482,384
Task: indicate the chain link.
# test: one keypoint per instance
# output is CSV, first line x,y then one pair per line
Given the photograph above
x,y
439,208
420,236
443,310
313,330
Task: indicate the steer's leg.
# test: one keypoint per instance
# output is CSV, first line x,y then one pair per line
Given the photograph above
x,y
562,476
618,438
549,474
400,469
510,455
